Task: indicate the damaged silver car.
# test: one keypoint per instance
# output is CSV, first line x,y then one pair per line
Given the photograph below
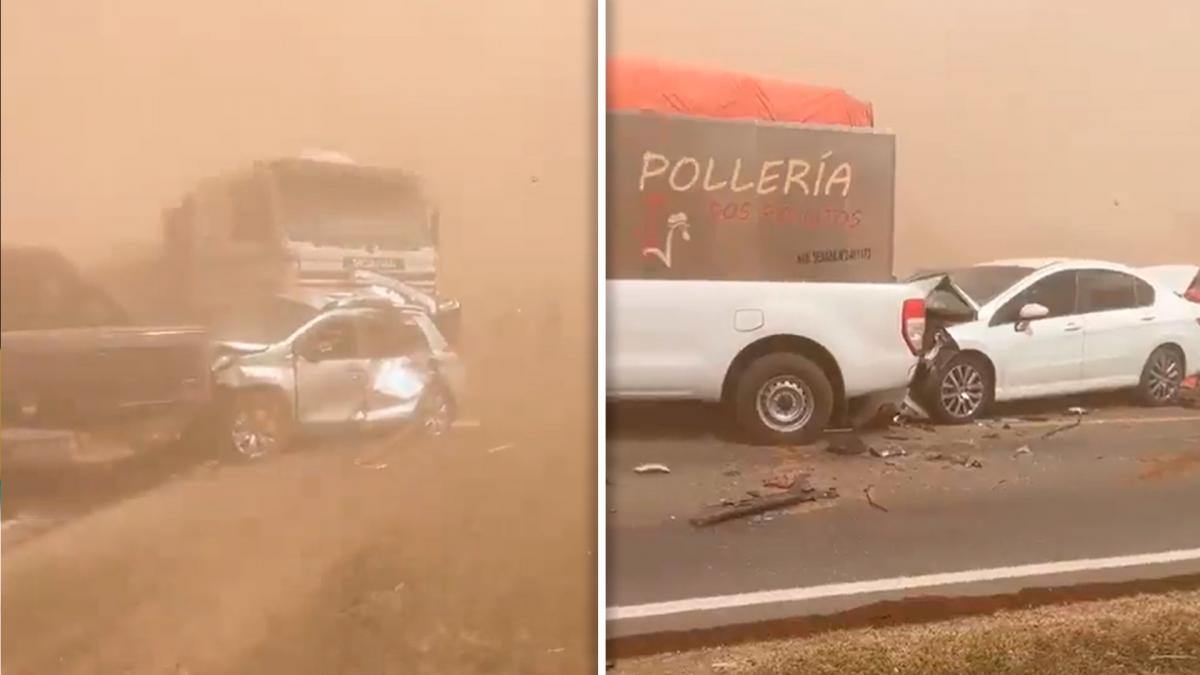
x,y
311,361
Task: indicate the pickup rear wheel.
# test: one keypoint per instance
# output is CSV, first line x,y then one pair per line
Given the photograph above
x,y
259,424
783,398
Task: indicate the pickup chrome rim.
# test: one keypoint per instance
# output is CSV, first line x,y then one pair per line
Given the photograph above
x,y
1165,376
962,390
438,415
785,404
255,431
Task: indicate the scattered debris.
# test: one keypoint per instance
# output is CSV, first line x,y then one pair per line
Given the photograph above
x,y
782,481
374,467
652,468
872,502
1023,450
896,437
1034,418
991,435
731,473
1066,427
754,493
501,448
848,445
802,491
1077,410
960,460
889,451
556,650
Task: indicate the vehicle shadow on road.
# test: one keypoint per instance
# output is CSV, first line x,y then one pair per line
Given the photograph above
x,y
668,420
684,421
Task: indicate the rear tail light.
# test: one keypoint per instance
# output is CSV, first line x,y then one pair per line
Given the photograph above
x,y
912,324
1193,294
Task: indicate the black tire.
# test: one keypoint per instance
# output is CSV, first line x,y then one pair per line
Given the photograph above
x,y
802,390
261,413
968,373
1162,378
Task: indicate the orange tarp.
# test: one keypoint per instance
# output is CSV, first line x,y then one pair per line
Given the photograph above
x,y
636,84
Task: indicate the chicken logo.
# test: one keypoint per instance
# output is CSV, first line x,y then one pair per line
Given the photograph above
x,y
676,222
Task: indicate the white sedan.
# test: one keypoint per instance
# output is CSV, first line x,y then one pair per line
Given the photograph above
x,y
1022,329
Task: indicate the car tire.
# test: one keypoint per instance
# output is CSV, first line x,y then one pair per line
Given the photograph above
x,y
783,398
256,424
1162,378
960,390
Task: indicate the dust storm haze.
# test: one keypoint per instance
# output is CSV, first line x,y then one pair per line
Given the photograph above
x,y
111,110
478,557
1023,128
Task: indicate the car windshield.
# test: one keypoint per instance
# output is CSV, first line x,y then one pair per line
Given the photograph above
x,y
263,322
983,283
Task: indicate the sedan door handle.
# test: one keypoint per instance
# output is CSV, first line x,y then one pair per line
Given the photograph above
x,y
1149,318
1072,328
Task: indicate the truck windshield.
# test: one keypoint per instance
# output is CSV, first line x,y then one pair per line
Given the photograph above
x,y
347,206
263,322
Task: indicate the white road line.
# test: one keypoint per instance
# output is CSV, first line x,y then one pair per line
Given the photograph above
x,y
895,584
1111,420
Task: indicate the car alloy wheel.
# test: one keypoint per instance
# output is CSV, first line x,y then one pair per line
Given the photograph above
x,y
962,391
439,414
1164,376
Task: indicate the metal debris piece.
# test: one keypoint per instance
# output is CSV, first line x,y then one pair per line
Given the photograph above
x,y
889,451
801,492
781,481
871,501
1077,410
1066,427
960,460
652,468
1023,450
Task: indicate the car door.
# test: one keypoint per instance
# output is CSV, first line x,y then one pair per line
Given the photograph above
x,y
331,371
1120,327
399,367
1043,356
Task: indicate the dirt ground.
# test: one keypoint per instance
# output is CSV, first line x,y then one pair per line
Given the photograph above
x,y
472,554
1139,635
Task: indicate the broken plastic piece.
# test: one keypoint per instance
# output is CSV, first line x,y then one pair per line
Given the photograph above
x,y
652,468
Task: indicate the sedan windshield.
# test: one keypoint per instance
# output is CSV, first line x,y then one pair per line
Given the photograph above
x,y
983,283
265,322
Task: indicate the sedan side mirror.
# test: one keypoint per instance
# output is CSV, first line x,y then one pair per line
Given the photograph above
x,y
1034,311
1028,313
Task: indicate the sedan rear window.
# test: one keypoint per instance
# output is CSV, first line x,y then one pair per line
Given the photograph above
x,y
984,283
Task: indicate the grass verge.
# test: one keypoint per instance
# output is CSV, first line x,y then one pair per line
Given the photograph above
x,y
1147,634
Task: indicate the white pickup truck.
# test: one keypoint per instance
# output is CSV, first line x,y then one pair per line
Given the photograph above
x,y
785,357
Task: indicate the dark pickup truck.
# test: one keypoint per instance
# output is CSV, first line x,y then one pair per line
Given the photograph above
x,y
73,360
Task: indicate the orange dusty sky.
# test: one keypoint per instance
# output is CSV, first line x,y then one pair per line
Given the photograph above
x,y
111,109
1023,128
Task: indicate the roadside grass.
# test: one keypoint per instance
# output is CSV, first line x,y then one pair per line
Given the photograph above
x,y
1143,634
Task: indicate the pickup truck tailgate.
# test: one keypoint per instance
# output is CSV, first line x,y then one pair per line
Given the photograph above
x,y
78,375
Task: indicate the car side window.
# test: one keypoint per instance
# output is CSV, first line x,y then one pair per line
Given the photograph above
x,y
330,339
391,335
1106,291
1056,292
1143,292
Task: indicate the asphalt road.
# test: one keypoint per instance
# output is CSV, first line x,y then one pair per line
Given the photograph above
x,y
1124,482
